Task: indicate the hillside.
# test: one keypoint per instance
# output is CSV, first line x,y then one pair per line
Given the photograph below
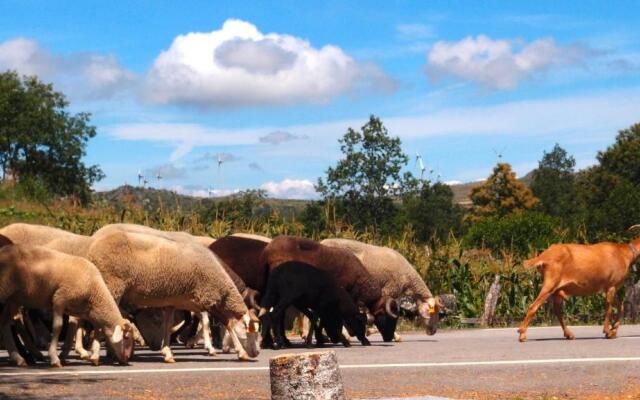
x,y
154,198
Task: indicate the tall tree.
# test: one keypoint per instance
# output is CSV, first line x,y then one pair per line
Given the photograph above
x,y
368,179
501,194
431,211
553,183
40,141
608,194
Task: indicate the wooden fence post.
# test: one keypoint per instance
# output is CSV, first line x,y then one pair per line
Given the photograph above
x,y
490,303
313,375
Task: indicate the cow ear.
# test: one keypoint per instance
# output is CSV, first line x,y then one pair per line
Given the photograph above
x,y
5,241
117,334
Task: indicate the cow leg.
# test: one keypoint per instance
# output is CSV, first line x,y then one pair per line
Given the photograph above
x,y
55,333
312,317
6,319
545,292
557,310
206,333
609,332
619,304
167,322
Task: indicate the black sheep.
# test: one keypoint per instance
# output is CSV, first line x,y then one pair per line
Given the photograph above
x,y
308,288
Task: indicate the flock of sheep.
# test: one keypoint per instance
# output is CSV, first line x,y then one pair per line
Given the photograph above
x,y
129,284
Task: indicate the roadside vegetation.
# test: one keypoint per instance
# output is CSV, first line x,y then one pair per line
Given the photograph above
x,y
367,195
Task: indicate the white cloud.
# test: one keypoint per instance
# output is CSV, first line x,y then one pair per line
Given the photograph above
x,y
200,191
414,31
277,137
166,171
499,64
240,66
87,74
290,189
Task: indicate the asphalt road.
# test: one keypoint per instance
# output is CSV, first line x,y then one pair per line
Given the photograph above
x,y
474,363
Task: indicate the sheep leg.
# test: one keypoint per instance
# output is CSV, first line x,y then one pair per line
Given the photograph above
x,y
72,328
206,333
95,348
242,353
557,310
7,317
31,348
167,321
195,331
545,292
79,343
610,298
56,328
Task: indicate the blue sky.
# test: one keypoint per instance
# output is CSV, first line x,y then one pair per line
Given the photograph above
x,y
269,87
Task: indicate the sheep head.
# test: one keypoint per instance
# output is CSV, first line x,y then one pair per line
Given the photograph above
x,y
120,339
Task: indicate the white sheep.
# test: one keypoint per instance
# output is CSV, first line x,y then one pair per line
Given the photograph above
x,y
250,338
38,277
396,275
152,271
69,243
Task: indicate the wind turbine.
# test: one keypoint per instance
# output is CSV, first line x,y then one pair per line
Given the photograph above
x,y
220,161
499,153
420,163
140,177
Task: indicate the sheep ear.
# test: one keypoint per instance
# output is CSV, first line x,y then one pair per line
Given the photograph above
x,y
360,255
117,334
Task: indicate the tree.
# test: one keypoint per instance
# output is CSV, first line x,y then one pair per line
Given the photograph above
x,y
40,141
623,157
431,211
553,183
368,179
608,194
502,194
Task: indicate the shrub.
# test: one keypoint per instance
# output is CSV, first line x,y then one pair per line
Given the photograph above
x,y
518,233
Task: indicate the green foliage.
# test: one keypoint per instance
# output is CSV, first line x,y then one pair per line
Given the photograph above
x,y
500,195
367,180
520,233
432,212
553,183
623,157
40,140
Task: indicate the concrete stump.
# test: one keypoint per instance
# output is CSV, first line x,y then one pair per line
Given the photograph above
x,y
313,375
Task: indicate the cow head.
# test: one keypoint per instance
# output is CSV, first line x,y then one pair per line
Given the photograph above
x,y
386,319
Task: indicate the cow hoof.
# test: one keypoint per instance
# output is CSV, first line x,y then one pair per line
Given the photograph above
x,y
611,335
570,336
522,338
365,342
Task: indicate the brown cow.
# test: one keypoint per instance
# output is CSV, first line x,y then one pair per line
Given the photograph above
x,y
581,270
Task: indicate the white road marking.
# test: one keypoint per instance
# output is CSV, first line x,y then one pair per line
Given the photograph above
x,y
125,370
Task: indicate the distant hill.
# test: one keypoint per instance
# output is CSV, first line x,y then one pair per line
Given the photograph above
x,y
152,198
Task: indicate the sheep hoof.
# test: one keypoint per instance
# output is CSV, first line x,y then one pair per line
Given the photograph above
x,y
95,361
56,364
611,334
570,336
170,360
243,356
190,344
397,338
20,362
211,352
85,356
